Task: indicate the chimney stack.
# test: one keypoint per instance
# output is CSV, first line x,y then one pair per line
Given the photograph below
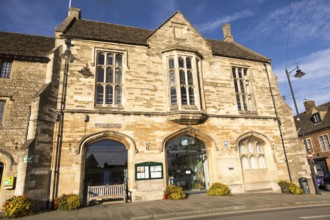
x,y
74,12
227,33
309,105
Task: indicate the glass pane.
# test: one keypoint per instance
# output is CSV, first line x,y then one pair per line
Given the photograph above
x,y
184,100
244,102
326,142
173,96
171,63
108,94
2,109
259,148
250,147
99,94
109,78
253,162
242,149
191,96
238,102
262,162
241,86
5,70
172,78
100,59
322,143
245,163
236,86
100,74
181,65
186,160
119,58
190,78
105,163
118,75
118,95
110,59
188,62
234,72
240,73
182,77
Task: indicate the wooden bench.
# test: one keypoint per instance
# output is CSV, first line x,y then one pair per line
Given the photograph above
x,y
106,192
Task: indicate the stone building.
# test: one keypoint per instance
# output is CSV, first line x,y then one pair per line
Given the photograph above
x,y
153,107
23,65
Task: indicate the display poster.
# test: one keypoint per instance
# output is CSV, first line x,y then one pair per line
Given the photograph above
x,y
148,170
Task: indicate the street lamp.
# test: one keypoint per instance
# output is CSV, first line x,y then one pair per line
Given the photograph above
x,y
300,74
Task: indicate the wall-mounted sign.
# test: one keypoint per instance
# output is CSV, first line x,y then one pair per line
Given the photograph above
x,y
148,170
9,182
106,125
27,159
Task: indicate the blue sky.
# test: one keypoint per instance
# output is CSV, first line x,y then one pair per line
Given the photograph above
x,y
301,39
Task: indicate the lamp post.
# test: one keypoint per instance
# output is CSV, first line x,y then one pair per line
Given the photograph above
x,y
300,74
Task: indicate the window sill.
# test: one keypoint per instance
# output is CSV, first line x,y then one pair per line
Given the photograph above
x,y
187,117
109,107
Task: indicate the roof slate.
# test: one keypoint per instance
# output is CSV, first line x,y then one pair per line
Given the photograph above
x,y
93,30
308,125
25,46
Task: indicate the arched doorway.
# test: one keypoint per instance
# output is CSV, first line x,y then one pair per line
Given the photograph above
x,y
187,163
1,172
105,163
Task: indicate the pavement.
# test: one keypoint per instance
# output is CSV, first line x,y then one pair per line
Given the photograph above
x,y
194,205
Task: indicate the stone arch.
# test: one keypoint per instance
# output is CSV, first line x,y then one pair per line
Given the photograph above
x,y
258,167
87,140
254,135
6,158
107,135
196,133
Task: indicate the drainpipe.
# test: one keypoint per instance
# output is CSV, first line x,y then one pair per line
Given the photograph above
x,y
278,122
67,56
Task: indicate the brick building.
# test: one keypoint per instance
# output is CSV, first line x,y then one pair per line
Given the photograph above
x,y
316,127
118,104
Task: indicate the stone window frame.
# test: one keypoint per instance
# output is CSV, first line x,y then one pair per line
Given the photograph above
x,y
190,84
5,70
3,107
324,142
252,157
118,105
243,88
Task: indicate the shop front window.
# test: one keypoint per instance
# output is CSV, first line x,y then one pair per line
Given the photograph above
x,y
187,163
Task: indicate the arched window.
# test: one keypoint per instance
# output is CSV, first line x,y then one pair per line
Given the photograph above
x,y
252,154
245,162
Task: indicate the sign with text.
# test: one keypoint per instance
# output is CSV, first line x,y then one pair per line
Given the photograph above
x,y
9,182
148,171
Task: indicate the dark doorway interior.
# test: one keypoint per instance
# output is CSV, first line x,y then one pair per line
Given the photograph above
x,y
1,172
105,164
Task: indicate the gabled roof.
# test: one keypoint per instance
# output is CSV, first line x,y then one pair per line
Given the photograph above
x,y
25,47
308,125
94,30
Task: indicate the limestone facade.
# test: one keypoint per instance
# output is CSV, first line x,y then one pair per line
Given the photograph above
x,y
66,116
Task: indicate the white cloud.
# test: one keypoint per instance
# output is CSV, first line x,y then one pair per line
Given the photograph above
x,y
225,19
308,19
314,65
